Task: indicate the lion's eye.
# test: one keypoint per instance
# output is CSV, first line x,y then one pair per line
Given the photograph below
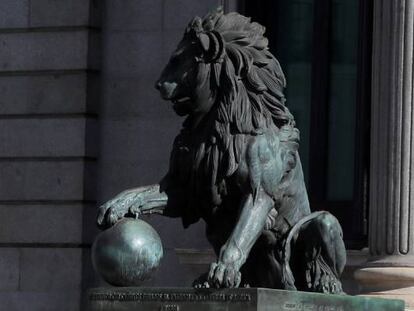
x,y
179,52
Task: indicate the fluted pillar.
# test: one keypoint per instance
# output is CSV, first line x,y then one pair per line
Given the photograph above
x,y
392,132
391,209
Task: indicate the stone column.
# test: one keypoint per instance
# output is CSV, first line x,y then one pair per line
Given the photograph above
x,y
389,271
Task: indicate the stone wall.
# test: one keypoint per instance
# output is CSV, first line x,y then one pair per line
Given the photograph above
x,y
48,111
75,130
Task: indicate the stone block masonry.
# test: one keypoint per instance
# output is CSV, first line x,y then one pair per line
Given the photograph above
x,y
49,99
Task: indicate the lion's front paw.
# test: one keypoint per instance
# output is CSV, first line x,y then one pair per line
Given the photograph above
x,y
224,275
126,203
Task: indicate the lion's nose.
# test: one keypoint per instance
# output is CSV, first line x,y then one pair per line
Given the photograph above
x,y
166,89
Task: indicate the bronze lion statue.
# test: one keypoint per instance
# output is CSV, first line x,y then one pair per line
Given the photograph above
x,y
235,164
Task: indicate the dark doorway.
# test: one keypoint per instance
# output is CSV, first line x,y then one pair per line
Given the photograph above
x,y
324,47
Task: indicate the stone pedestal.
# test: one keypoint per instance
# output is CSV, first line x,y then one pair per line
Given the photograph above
x,y
390,269
246,299
388,282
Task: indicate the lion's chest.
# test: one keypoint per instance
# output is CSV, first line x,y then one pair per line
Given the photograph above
x,y
198,168
182,166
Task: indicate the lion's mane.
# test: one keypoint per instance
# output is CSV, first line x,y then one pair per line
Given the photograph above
x,y
247,82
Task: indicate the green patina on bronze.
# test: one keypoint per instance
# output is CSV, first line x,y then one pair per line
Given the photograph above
x,y
127,253
235,165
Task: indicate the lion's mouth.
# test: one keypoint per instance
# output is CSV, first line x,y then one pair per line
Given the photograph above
x,y
181,105
180,100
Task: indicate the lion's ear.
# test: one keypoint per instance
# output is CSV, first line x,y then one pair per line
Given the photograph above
x,y
204,41
212,45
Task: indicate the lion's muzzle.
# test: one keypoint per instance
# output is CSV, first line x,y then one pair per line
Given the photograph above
x,y
167,89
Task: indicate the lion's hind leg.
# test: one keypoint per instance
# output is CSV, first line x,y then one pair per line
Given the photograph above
x,y
319,255
263,267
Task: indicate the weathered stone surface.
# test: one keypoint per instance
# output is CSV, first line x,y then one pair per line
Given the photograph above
x,y
131,166
140,54
46,13
135,15
67,300
389,282
389,270
170,39
94,50
14,14
64,223
93,104
252,299
33,180
43,137
39,272
50,269
9,268
43,71
391,206
96,13
43,13
43,51
132,134
177,13
43,94
137,97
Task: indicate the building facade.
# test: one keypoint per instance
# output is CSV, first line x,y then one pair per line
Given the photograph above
x,y
80,121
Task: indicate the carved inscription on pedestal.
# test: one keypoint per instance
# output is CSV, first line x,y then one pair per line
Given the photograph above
x,y
170,297
170,308
246,299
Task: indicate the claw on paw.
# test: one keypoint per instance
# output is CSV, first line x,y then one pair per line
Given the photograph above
x,y
121,206
224,275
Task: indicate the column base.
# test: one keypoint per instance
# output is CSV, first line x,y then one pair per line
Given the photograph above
x,y
387,282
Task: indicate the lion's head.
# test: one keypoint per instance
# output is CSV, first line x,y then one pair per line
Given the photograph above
x,y
223,74
223,62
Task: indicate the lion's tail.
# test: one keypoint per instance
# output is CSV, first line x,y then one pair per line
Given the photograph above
x,y
288,280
